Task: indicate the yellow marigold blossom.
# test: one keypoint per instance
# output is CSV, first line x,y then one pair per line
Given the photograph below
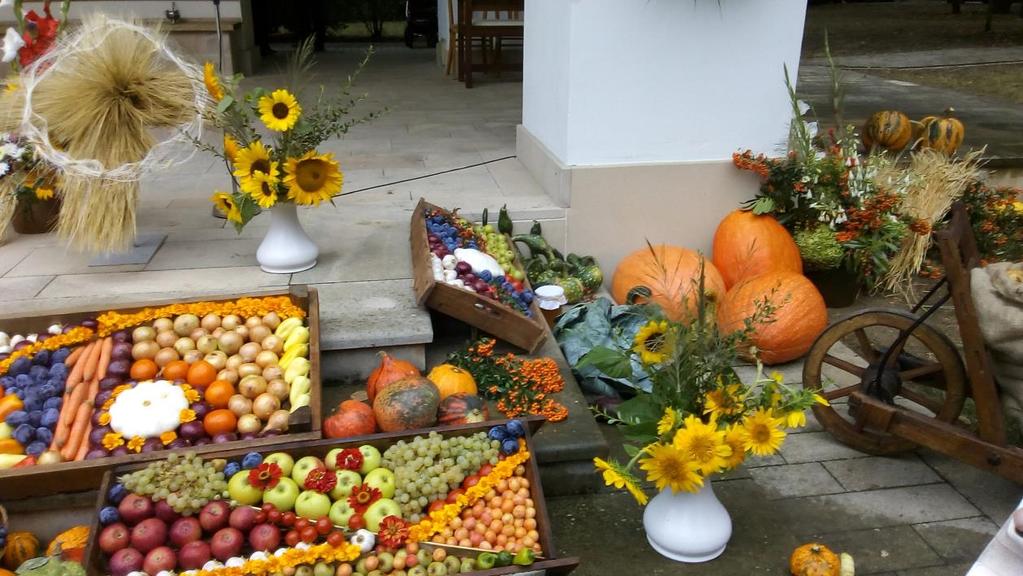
x,y
724,401
192,396
108,404
704,444
213,86
104,418
226,204
669,466
735,437
279,110
313,178
168,437
764,435
667,422
112,440
650,342
73,337
136,443
187,415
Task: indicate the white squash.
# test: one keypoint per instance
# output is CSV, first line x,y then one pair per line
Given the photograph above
x,y
479,261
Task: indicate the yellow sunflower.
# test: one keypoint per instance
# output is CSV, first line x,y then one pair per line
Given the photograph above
x,y
262,188
651,343
213,86
226,204
704,444
313,178
254,158
735,437
724,401
667,422
44,192
795,419
763,432
279,110
669,466
615,476
230,148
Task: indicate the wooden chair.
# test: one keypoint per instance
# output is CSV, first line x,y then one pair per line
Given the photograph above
x,y
488,20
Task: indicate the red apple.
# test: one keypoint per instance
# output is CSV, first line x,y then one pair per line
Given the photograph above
x,y
164,512
148,534
227,542
214,516
185,530
265,537
125,561
134,509
114,538
159,559
243,518
193,555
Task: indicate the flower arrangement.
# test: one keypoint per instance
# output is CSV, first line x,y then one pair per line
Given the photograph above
x,y
270,141
699,418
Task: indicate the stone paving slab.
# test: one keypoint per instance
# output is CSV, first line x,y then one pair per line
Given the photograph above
x,y
370,315
879,550
237,280
882,508
815,447
23,288
958,540
947,570
792,480
918,58
993,495
876,472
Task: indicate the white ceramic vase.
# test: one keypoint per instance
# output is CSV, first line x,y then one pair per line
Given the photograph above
x,y
687,526
286,248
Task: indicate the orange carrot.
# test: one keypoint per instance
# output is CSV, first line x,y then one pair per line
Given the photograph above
x,y
75,376
74,356
84,448
104,358
91,362
81,423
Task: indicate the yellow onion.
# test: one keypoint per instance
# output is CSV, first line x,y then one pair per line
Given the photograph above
x,y
210,322
265,404
218,332
252,386
231,341
253,321
217,359
240,405
272,320
278,388
266,358
273,343
273,372
234,362
249,424
184,344
249,369
198,333
206,344
259,333
277,421
192,356
249,350
230,322
242,331
142,333
185,323
228,375
145,349
163,324
166,338
165,356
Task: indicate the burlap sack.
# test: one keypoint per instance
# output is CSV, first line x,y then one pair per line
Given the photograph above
x,y
998,296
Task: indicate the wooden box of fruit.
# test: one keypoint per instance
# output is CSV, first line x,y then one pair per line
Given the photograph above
x,y
88,390
465,499
456,274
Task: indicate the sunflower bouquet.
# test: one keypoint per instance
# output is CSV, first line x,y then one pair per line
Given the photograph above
x,y
699,418
270,140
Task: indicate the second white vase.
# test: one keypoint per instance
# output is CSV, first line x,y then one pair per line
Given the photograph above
x,y
688,526
286,248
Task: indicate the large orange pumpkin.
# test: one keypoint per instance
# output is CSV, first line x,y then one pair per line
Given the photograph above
x,y
667,276
799,317
451,379
388,371
748,245
942,133
70,544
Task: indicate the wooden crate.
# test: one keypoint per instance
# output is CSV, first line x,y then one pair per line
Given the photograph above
x,y
488,315
67,477
94,563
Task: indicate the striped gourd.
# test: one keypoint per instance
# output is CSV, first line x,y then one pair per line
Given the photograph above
x,y
942,133
888,129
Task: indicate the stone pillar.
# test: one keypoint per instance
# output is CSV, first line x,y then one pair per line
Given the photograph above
x,y
631,110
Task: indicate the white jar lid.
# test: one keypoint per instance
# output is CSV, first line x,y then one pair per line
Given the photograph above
x,y
550,297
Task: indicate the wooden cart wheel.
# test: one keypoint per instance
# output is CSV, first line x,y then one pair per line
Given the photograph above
x,y
846,356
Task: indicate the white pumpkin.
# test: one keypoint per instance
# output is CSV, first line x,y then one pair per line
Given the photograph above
x,y
148,410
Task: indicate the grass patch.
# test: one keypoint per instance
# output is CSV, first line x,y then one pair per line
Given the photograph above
x,y
999,81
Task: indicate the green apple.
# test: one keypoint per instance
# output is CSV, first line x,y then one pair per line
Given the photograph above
x,y
340,512
241,491
383,480
323,569
312,505
282,460
379,510
370,459
346,481
303,467
331,459
283,495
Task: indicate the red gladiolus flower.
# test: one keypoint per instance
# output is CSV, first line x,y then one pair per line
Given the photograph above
x,y
39,36
265,476
350,459
362,496
321,480
393,532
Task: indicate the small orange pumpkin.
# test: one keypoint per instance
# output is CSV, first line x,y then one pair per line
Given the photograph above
x,y
6,572
451,379
667,276
799,316
21,546
814,560
70,544
942,133
748,245
387,372
888,129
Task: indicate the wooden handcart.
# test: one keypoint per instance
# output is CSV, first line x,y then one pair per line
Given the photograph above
x,y
895,383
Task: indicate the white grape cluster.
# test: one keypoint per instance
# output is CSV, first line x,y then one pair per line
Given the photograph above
x,y
427,468
185,481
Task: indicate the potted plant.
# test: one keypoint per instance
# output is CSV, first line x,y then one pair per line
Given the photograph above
x,y
823,264
698,420
27,188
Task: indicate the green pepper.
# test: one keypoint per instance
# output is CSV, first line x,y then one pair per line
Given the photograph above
x,y
504,558
524,557
504,221
486,560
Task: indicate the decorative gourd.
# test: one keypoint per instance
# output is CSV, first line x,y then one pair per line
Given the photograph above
x,y
20,547
70,544
389,370
462,409
11,446
407,404
814,560
353,418
748,245
847,565
667,276
6,572
888,129
451,379
942,133
799,316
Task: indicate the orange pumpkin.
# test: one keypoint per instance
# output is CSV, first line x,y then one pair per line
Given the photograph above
x,y
452,380
888,129
942,133
6,572
667,276
799,316
748,245
388,371
21,546
70,544
814,560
